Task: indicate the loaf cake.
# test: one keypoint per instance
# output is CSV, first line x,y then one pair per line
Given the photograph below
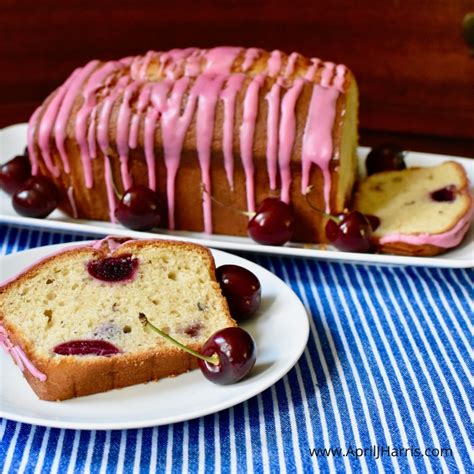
x,y
71,321
235,124
422,211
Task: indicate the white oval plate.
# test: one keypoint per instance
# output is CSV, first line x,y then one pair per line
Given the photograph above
x,y
280,330
13,141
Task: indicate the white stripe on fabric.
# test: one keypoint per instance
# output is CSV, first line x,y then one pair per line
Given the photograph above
x,y
169,449
446,332
456,328
457,278
305,397
16,241
263,436
154,450
249,452
90,452
232,448
201,451
217,451
26,449
328,378
408,365
105,453
363,356
42,451
75,446
138,450
340,371
185,446
382,366
278,433
6,241
429,351
3,427
11,448
57,454
422,365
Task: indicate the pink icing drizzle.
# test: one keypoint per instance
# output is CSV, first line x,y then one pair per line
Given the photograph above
x,y
448,239
317,145
220,60
286,136
340,77
109,186
143,100
66,107
311,72
193,64
32,124
113,243
173,61
94,82
123,124
290,65
19,356
228,96
142,73
174,127
208,88
274,63
91,134
104,116
247,131
273,98
103,140
72,201
251,54
327,74
47,123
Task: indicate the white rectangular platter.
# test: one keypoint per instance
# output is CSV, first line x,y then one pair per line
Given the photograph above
x,y
13,140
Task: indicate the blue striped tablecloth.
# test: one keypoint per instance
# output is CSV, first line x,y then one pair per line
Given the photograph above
x,y
384,385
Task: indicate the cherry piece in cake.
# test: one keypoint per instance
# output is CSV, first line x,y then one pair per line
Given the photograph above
x,y
86,347
113,269
446,194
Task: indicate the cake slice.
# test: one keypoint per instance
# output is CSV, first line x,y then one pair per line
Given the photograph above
x,y
71,321
422,211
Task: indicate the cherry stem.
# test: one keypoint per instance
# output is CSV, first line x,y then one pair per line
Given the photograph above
x,y
245,213
214,359
309,189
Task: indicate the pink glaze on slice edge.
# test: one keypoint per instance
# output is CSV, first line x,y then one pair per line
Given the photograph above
x,y
448,239
19,356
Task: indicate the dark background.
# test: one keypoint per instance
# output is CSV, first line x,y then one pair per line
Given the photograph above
x,y
414,69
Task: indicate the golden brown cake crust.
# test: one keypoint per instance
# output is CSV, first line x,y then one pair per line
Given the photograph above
x,y
71,376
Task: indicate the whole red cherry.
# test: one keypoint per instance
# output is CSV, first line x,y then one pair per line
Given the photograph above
x,y
236,354
350,232
273,223
37,198
139,209
386,157
242,290
14,174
